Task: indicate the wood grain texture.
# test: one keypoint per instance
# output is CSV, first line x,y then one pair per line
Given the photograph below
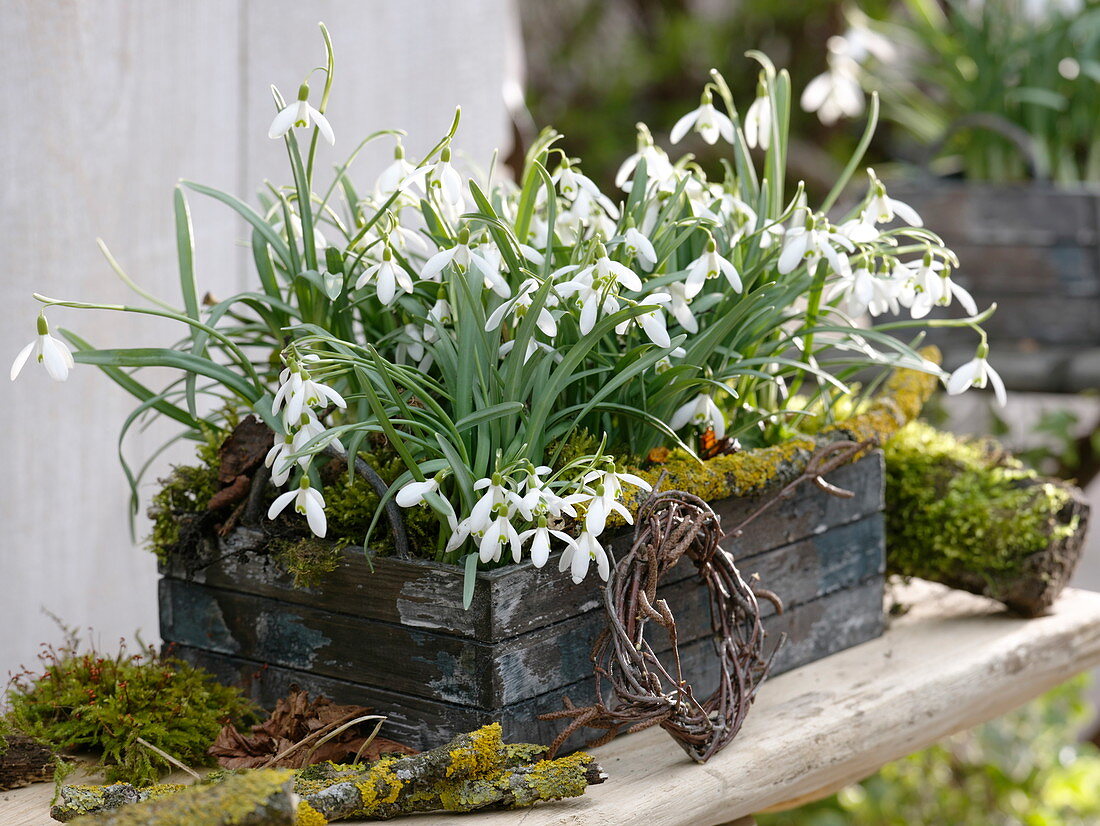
x,y
112,102
952,662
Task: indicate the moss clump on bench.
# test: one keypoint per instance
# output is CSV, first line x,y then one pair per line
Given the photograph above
x,y
964,513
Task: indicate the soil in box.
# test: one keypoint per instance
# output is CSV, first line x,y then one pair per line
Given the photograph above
x,y
397,638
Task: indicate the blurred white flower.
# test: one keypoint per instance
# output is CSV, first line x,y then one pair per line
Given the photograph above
x,y
758,119
701,412
977,373
835,93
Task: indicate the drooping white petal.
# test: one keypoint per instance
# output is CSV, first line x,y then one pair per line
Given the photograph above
x,y
55,358
280,503
413,493
683,125
963,377
323,125
20,360
314,505
283,121
436,263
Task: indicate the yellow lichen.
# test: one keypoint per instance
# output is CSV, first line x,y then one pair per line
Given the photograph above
x,y
481,754
558,779
308,816
753,472
380,786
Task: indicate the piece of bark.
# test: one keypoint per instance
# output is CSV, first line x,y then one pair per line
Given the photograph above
x,y
23,760
379,793
1043,575
258,798
244,449
235,492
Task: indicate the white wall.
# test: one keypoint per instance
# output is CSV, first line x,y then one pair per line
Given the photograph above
x,y
107,103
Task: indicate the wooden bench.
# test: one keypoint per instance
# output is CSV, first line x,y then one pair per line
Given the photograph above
x,y
953,661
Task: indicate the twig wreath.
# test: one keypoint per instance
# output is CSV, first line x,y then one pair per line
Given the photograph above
x,y
669,525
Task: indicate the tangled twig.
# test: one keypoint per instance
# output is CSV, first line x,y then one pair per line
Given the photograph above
x,y
669,525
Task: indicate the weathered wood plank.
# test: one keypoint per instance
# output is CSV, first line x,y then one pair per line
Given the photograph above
x,y
519,598
817,629
468,672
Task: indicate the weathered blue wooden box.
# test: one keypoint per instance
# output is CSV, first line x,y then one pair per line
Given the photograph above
x,y
396,638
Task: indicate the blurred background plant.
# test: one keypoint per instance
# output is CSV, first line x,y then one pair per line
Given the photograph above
x,y
1000,90
1025,767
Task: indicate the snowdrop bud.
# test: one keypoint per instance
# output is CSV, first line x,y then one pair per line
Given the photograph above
x,y
464,237
303,92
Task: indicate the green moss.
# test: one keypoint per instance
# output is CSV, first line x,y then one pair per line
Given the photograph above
x,y
960,505
308,560
105,703
184,493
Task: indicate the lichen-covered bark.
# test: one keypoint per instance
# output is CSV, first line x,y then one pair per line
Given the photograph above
x,y
258,798
474,771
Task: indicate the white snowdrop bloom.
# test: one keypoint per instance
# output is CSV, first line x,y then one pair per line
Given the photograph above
x,y
445,180
532,255
278,459
539,536
860,230
710,265
706,120
931,286
413,346
413,493
387,275
883,209
498,496
653,323
758,119
541,500
596,285
577,557
400,176
518,306
639,247
499,533
309,427
678,305
701,412
52,353
441,312
308,501
977,373
298,392
835,93
300,114
657,164
463,256
813,240
533,347
607,491
865,292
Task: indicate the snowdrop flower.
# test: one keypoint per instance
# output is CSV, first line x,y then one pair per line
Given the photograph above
x,y
607,491
710,265
811,242
977,373
445,180
297,391
388,275
652,322
307,501
639,247
865,291
413,493
533,347
701,412
882,208
678,302
588,203
539,537
706,120
835,93
463,256
299,114
399,176
496,494
932,286
518,306
596,286
758,119
500,532
52,353
413,346
658,167
278,459
577,557
441,312
861,229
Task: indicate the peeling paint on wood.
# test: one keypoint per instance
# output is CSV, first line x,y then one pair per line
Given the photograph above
x,y
398,639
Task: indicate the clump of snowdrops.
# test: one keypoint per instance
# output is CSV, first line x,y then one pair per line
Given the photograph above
x,y
484,325
1012,86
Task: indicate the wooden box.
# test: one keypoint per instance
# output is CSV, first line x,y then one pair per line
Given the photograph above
x,y
1035,250
397,638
